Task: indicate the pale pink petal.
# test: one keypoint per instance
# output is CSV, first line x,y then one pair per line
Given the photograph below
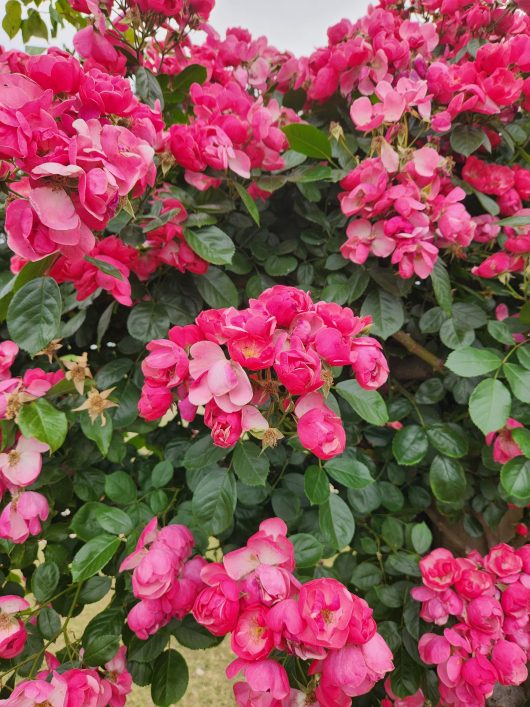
x,y
54,208
204,355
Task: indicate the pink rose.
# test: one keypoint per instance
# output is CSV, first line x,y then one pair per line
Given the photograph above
x,y
12,631
251,638
439,569
217,606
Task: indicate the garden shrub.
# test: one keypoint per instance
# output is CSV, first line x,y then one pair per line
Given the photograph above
x,y
265,367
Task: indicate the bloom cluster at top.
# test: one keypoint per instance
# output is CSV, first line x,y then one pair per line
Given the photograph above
x,y
77,686
229,130
165,579
489,597
408,211
63,127
281,351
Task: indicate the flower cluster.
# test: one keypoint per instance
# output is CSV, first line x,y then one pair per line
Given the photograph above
x,y
281,351
489,642
77,686
165,579
510,186
80,165
254,596
229,130
21,462
71,163
408,210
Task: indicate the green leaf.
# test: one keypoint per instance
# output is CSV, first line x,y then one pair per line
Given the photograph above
x,y
523,354
449,439
515,477
316,485
113,372
147,87
336,522
342,289
217,289
44,581
105,267
49,623
466,139
94,589
12,18
515,220
347,470
214,501
34,314
203,453
308,140
410,445
441,285
455,335
392,531
447,479
421,537
307,549
179,85
120,488
98,433
489,405
34,26
280,265
93,556
487,203
162,474
29,272
470,362
114,520
386,311
366,575
147,651
148,321
248,202
250,465
368,404
192,635
170,678
100,648
522,437
500,331
212,244
519,380
41,420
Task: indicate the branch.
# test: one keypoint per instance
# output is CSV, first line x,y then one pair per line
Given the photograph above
x,y
418,350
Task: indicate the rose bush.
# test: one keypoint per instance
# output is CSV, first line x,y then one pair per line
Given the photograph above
x,y
265,366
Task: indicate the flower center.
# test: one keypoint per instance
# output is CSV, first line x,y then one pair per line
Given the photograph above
x,y
256,631
5,620
14,403
14,458
327,615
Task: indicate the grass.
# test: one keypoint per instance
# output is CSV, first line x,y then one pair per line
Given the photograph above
x,y
208,684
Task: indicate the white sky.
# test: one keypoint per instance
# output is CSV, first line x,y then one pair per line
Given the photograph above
x,y
297,25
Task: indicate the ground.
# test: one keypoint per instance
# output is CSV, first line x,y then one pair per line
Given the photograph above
x,y
208,684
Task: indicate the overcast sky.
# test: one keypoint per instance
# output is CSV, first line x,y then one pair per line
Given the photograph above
x,y
297,25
